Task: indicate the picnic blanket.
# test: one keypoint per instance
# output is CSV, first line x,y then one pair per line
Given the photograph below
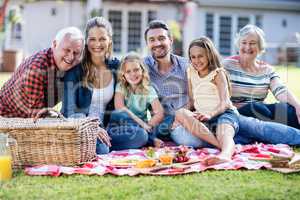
x,y
121,163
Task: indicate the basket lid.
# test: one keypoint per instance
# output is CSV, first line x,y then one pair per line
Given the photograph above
x,y
43,123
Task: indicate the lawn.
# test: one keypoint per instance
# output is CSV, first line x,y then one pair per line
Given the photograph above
x,y
242,184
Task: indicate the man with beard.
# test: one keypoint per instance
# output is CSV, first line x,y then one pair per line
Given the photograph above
x,y
168,76
37,83
167,73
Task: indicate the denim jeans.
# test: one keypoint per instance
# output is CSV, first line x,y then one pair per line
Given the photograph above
x,y
282,113
125,133
101,148
250,130
163,130
181,136
255,130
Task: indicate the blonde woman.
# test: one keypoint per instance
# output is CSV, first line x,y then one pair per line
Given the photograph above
x,y
89,87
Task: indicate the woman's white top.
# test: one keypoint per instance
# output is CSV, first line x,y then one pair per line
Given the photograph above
x,y
100,98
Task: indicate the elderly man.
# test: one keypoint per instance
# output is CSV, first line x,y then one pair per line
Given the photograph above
x,y
36,84
168,76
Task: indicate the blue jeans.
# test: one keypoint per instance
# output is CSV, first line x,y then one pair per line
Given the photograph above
x,y
282,113
163,130
228,117
255,130
250,130
125,133
101,148
181,136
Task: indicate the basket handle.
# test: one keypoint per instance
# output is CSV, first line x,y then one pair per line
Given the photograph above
x,y
51,112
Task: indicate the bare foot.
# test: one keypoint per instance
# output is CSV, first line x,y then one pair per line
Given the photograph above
x,y
158,143
214,160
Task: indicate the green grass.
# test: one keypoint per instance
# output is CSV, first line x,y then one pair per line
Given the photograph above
x,y
241,184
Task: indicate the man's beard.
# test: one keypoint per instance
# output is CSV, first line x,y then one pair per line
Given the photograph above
x,y
164,54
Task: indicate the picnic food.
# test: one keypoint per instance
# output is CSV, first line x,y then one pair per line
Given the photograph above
x,y
181,155
295,162
166,159
150,152
145,163
124,162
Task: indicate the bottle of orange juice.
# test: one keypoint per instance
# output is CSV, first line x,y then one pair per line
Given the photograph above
x,y
5,159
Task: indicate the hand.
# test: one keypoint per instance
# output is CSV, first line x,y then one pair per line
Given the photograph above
x,y
175,124
48,111
202,117
40,113
148,127
104,137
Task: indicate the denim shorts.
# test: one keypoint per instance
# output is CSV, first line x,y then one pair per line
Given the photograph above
x,y
230,116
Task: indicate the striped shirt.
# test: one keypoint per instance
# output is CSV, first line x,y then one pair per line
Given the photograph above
x,y
248,87
172,86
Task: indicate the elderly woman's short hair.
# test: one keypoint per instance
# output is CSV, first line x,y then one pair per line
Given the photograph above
x,y
252,29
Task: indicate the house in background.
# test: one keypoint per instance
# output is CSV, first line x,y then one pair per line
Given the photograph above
x,y
221,20
189,19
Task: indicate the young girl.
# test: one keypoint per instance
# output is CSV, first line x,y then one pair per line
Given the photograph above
x,y
210,100
129,127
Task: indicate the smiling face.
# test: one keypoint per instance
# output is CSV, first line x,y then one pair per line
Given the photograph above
x,y
199,59
67,52
133,73
159,43
98,42
249,46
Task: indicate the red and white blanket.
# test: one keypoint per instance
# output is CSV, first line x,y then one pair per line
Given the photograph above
x,y
245,157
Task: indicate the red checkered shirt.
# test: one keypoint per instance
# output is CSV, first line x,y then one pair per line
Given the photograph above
x,y
33,86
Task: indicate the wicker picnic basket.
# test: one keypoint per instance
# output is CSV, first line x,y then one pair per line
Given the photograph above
x,y
66,142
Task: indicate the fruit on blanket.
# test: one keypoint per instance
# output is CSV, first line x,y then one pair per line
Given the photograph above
x,y
150,152
181,155
181,159
166,159
145,163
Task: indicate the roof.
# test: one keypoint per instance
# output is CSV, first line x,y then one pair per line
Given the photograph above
x,y
291,5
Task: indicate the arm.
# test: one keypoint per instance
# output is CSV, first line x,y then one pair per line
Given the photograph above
x,y
285,95
223,90
190,104
158,113
30,94
119,105
191,98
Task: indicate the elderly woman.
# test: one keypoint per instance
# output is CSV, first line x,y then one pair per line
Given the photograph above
x,y
252,79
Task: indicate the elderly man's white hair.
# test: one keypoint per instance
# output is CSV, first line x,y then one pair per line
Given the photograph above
x,y
72,31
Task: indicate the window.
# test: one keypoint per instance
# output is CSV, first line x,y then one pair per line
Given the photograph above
x,y
152,15
242,21
258,21
209,21
128,25
225,35
115,17
134,31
